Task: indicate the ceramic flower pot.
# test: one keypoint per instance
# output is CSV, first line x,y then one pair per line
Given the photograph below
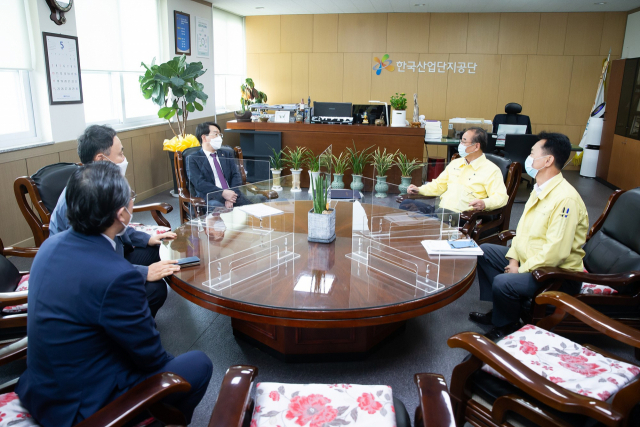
x,y
337,181
276,179
405,183
399,118
312,180
242,116
381,186
356,183
295,185
322,227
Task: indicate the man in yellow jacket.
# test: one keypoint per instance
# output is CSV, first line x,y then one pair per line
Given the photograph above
x,y
550,233
471,182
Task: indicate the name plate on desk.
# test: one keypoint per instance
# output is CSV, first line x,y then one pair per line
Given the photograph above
x,y
282,117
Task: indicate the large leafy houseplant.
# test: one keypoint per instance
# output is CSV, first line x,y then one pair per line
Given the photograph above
x,y
251,95
173,86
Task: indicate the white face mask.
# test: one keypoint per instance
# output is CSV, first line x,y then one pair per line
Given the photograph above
x,y
216,142
125,225
122,165
462,150
528,166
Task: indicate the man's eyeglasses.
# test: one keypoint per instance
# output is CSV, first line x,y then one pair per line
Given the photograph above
x,y
133,196
216,134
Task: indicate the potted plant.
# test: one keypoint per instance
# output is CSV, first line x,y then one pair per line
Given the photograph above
x,y
173,86
276,168
359,159
406,167
322,219
399,115
382,162
340,165
294,159
313,163
250,95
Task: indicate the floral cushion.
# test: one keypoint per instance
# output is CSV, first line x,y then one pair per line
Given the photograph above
x,y
318,405
12,413
149,229
565,363
591,289
22,308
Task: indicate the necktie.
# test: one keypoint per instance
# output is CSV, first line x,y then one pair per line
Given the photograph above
x,y
223,182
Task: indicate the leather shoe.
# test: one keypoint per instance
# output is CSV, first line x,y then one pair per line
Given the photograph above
x,y
481,318
497,333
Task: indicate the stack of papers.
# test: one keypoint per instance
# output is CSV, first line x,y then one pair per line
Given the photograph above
x,y
433,131
260,210
442,247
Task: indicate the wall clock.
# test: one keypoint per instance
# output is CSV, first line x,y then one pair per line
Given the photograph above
x,y
58,9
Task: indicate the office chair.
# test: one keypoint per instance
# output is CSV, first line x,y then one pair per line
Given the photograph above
x,y
518,148
512,117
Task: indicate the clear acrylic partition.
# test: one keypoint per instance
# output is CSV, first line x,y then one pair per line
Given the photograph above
x,y
326,162
387,240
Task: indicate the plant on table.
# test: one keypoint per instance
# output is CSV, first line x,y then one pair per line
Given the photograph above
x,y
294,158
383,161
320,195
407,167
398,101
312,161
359,159
341,163
276,160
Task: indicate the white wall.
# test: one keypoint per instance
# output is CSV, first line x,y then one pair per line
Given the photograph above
x,y
631,47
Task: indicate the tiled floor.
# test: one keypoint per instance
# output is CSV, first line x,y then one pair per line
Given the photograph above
x,y
421,347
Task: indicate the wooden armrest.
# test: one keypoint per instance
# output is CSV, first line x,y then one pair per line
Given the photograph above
x,y
588,315
14,351
505,236
435,409
472,215
552,273
234,396
21,252
415,197
160,207
530,382
143,395
13,298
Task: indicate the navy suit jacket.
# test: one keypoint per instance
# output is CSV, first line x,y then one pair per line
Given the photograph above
x,y
91,334
201,176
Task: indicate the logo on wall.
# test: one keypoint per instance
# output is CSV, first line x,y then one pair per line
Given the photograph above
x,y
385,63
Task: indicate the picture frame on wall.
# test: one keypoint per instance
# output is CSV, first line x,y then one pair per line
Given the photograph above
x,y
182,27
62,62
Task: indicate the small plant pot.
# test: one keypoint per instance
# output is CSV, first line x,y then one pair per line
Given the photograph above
x,y
356,183
399,119
405,183
322,227
337,183
381,186
242,116
295,185
312,180
276,179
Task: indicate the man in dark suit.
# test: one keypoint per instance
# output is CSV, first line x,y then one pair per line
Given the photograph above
x,y
100,143
91,334
214,174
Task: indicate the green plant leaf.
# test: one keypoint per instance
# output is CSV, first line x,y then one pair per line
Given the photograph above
x,y
190,95
182,61
170,115
179,111
190,108
164,111
192,70
177,81
198,106
202,95
178,92
161,78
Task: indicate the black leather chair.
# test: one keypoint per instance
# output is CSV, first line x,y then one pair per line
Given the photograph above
x,y
512,117
518,148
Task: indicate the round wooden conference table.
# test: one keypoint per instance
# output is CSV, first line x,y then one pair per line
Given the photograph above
x,y
321,304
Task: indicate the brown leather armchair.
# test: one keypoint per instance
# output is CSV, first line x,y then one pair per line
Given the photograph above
x,y
484,400
145,396
485,226
44,188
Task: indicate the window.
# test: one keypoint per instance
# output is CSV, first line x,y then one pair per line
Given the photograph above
x,y
229,59
17,122
111,65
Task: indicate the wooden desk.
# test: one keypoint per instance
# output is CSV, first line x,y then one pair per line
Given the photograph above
x,y
255,139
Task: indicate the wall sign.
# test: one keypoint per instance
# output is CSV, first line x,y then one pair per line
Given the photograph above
x,y
202,37
422,67
182,26
62,61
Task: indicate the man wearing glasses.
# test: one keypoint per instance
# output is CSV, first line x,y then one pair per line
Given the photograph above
x,y
471,182
100,143
215,176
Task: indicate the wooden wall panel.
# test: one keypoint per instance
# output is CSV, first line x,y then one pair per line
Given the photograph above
x,y
356,78
253,68
448,33
35,163
159,159
299,76
513,70
615,24
362,32
296,33
13,227
432,89
584,33
584,82
275,77
546,93
142,156
483,32
262,34
474,95
70,156
388,83
408,32
519,33
553,31
325,76
325,33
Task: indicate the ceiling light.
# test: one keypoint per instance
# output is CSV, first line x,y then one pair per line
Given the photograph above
x,y
601,3
420,4
260,7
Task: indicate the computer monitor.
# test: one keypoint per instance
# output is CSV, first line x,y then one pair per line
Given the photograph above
x,y
332,109
373,113
511,130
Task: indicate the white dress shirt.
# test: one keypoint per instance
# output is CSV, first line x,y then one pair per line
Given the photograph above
x,y
113,242
539,188
213,167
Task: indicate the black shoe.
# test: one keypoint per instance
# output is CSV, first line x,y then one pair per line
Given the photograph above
x,y
481,318
497,333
